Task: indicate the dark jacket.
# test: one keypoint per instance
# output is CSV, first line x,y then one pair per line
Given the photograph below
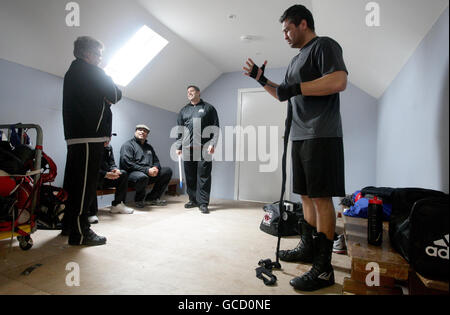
x,y
108,163
135,156
207,116
87,116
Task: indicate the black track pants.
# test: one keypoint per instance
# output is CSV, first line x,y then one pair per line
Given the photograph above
x,y
198,180
140,181
80,182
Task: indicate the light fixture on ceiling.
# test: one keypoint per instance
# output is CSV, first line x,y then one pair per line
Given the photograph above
x,y
246,38
135,55
249,38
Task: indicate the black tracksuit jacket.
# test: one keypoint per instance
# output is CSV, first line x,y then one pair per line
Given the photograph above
x,y
87,116
207,115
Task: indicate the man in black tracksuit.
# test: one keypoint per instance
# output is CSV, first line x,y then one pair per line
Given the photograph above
x,y
87,97
197,151
139,159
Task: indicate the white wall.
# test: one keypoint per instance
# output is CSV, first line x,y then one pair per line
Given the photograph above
x,y
413,126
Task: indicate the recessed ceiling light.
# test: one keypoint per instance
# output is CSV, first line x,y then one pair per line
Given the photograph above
x,y
135,55
246,38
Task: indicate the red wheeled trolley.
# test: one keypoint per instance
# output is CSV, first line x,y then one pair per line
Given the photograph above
x,y
20,193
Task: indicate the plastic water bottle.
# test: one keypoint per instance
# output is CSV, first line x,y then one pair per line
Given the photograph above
x,y
375,221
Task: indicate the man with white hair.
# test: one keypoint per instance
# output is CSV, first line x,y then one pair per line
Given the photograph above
x,y
87,97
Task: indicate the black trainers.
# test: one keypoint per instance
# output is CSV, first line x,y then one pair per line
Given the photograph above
x,y
321,274
90,239
204,209
156,202
303,252
139,204
191,204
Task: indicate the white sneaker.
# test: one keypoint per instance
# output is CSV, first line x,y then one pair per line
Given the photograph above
x,y
93,219
121,208
339,246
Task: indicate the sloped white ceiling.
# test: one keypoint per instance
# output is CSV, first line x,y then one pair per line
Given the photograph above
x,y
374,55
204,42
35,34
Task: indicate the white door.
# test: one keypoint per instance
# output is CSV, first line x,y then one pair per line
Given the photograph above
x,y
260,147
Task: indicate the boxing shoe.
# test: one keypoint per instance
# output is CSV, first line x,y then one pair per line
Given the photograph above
x,y
303,252
321,274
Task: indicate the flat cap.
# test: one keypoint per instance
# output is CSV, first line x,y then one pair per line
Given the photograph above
x,y
142,127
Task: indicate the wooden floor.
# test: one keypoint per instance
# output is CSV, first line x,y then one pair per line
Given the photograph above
x,y
161,251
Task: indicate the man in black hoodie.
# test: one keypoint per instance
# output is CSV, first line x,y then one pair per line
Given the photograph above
x,y
87,97
139,159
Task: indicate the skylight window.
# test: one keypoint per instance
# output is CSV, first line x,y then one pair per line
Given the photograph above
x,y
135,55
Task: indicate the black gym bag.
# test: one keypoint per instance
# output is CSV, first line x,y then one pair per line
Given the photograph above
x,y
423,237
419,227
292,215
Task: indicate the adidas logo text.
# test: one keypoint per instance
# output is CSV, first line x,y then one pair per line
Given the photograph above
x,y
440,249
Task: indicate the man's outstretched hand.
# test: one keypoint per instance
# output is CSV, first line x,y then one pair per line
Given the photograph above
x,y
255,72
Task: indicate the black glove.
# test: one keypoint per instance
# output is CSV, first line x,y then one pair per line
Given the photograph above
x,y
286,92
262,80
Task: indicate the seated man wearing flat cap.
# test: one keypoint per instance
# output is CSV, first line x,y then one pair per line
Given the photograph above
x,y
139,159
